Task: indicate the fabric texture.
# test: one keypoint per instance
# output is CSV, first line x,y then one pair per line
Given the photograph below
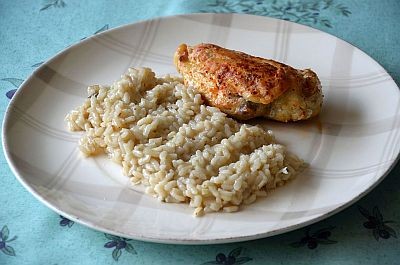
x,y
33,31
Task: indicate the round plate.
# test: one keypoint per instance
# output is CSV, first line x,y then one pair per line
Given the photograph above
x,y
350,147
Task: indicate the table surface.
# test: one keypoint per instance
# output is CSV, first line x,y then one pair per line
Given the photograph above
x,y
32,31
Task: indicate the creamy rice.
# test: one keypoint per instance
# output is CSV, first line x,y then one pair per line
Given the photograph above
x,y
181,150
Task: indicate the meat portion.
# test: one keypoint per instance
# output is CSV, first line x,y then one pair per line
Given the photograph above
x,y
245,86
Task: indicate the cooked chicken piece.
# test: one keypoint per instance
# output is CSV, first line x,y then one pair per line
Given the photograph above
x,y
245,86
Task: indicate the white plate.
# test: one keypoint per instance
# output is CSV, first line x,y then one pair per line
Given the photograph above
x,y
350,147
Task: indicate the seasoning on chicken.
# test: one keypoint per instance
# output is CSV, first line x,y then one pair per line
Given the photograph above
x,y
245,86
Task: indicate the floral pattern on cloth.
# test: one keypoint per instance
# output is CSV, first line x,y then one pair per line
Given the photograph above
x,y
379,227
319,237
5,241
66,222
307,12
119,244
230,259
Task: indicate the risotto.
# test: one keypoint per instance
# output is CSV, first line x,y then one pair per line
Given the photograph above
x,y
181,150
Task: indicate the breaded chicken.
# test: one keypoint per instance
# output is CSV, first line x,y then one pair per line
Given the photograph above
x,y
245,86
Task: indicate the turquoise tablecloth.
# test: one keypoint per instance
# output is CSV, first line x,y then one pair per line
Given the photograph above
x,y
32,31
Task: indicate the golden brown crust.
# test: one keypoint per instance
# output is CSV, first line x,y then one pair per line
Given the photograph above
x,y
246,86
253,78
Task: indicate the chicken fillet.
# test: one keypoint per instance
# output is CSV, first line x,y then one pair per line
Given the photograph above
x,y
245,86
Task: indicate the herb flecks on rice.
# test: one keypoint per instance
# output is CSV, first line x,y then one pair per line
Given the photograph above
x,y
182,150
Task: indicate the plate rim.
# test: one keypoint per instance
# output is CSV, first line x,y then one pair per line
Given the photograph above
x,y
171,240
